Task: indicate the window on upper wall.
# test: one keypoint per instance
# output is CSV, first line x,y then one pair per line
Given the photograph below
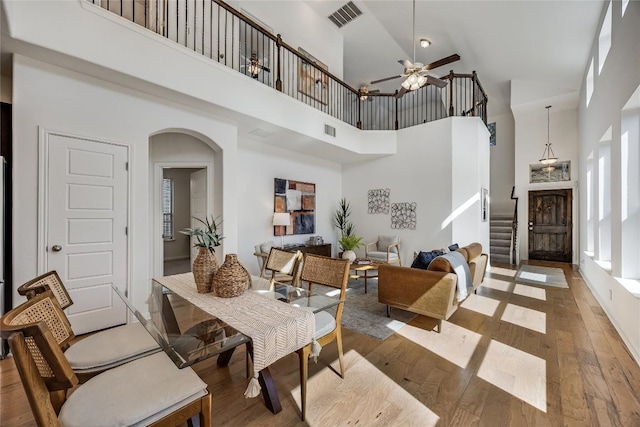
x,y
589,83
167,209
604,41
625,3
591,227
630,186
604,198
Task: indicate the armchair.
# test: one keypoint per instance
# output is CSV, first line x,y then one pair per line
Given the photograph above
x,y
384,250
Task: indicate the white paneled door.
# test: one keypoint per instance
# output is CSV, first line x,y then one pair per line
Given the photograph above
x,y
87,193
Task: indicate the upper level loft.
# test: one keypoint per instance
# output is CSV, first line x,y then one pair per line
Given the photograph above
x,y
217,31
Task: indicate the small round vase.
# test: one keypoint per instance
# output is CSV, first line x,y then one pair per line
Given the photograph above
x,y
231,279
350,255
204,267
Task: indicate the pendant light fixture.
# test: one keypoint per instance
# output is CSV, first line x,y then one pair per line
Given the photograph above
x,y
548,156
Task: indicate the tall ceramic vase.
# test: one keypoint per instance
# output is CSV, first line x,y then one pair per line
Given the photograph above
x,y
204,267
231,279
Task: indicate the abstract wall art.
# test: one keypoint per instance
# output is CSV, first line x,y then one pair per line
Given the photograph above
x,y
403,215
378,201
299,199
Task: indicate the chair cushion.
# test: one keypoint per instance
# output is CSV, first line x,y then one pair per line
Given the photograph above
x,y
137,393
385,241
110,347
266,247
381,256
325,323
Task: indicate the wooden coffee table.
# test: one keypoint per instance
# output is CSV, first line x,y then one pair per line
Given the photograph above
x,y
366,268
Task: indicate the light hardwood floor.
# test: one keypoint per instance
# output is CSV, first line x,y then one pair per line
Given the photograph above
x,y
511,356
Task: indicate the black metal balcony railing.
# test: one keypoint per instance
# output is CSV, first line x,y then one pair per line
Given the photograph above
x,y
216,30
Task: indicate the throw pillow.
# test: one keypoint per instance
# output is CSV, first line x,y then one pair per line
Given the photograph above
x,y
385,241
454,247
266,247
423,259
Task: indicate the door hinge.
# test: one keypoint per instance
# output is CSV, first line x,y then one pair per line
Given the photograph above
x,y
126,231
126,166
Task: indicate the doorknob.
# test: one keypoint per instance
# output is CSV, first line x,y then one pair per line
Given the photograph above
x,y
530,223
56,248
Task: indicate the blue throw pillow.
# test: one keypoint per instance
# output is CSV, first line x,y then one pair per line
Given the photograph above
x,y
423,259
453,247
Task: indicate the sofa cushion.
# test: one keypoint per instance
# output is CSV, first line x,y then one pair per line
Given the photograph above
x,y
473,250
385,241
441,264
423,259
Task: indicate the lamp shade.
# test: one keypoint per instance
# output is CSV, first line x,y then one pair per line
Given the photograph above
x,y
281,218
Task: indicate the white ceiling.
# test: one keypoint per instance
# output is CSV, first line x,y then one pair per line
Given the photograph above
x,y
547,42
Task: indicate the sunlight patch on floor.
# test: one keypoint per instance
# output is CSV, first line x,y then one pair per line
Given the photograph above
x,y
530,291
534,277
497,284
525,317
516,372
454,343
361,403
480,304
502,271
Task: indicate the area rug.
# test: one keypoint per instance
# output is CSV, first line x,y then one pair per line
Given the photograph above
x,y
537,275
364,314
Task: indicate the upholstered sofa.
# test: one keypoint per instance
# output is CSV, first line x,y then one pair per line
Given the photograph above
x,y
431,292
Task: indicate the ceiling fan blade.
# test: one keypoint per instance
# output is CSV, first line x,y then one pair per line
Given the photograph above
x,y
405,63
385,79
436,82
375,91
402,92
444,61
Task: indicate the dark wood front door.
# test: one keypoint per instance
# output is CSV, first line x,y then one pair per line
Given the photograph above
x,y
550,225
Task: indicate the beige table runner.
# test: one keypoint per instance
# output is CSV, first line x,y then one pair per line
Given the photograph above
x,y
275,329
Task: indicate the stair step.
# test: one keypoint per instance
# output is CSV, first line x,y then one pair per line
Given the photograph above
x,y
504,259
501,217
500,236
500,243
506,222
500,229
499,250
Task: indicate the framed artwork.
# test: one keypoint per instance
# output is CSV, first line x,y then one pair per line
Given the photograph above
x,y
312,82
542,173
378,201
403,215
299,200
484,204
492,133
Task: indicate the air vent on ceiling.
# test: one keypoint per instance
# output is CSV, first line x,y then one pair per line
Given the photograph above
x,y
345,14
330,130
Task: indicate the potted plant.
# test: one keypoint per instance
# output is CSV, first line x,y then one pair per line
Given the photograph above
x,y
341,218
348,244
205,263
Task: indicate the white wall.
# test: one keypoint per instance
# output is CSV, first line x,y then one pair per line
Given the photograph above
x,y
441,166
530,138
503,165
53,98
178,248
613,87
260,165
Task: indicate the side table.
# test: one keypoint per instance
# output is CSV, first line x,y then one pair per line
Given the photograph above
x,y
366,268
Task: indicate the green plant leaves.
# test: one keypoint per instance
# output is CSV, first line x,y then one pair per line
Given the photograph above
x,y
210,237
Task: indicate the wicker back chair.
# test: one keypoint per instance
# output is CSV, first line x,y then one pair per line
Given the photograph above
x,y
47,281
331,272
118,345
46,375
284,266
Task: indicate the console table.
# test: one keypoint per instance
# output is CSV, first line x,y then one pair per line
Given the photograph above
x,y
324,249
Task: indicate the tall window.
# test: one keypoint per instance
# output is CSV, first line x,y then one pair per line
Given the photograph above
x,y
167,209
625,3
630,188
589,83
604,41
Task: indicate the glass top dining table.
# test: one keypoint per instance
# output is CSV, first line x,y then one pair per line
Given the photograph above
x,y
188,334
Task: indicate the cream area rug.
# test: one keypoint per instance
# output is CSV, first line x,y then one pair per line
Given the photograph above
x,y
537,275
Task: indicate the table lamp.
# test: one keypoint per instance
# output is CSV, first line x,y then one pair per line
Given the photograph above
x,y
282,219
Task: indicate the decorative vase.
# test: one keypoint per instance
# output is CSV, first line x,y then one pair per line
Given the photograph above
x,y
231,279
350,255
204,267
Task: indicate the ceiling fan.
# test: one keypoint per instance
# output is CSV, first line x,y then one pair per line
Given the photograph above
x,y
364,93
416,73
254,65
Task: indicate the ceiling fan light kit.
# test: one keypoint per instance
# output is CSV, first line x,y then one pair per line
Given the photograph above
x,y
424,43
548,156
